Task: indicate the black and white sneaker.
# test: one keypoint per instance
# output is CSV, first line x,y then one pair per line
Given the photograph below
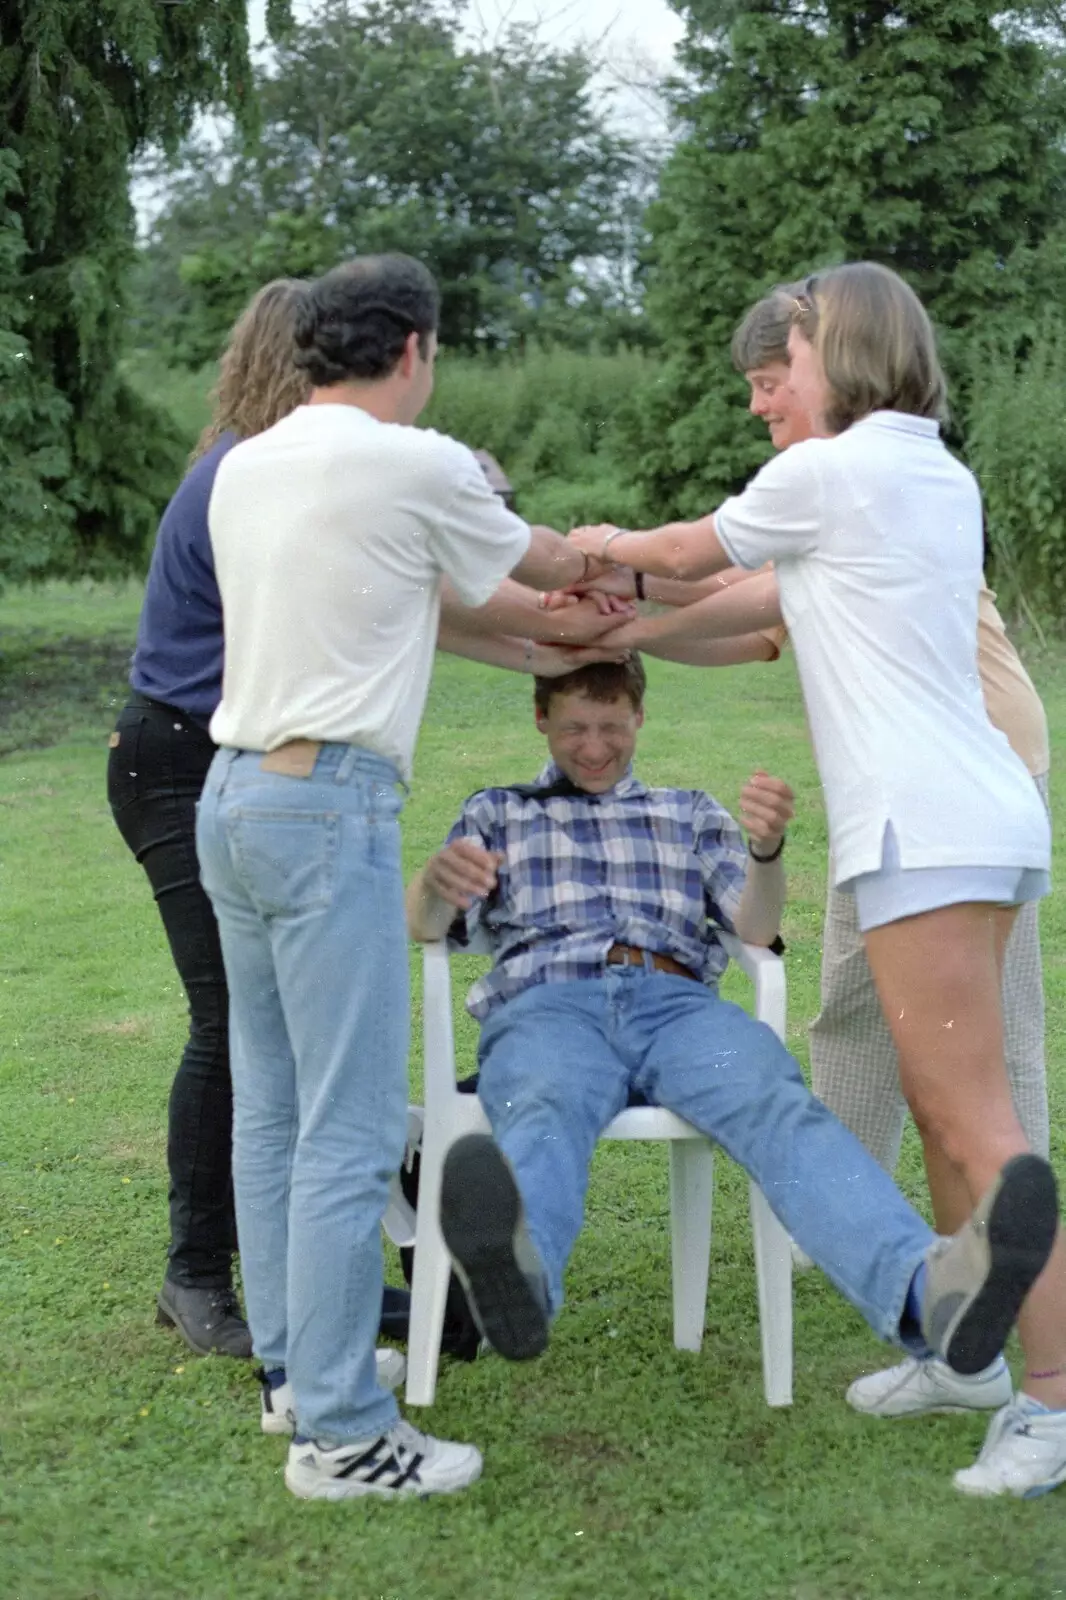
x,y
400,1464
977,1280
483,1223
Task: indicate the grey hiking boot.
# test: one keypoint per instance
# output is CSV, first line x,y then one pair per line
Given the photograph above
x,y
209,1320
977,1280
483,1223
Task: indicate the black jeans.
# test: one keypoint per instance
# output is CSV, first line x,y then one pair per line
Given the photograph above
x,y
155,773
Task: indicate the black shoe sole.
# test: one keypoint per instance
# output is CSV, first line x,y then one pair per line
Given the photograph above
x,y
480,1213
1021,1230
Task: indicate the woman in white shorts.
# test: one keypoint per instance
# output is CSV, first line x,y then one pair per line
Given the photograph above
x,y
935,825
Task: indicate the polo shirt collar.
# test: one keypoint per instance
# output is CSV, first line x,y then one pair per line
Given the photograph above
x,y
901,422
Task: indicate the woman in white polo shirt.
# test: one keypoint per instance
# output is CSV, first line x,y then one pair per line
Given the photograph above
x,y
935,825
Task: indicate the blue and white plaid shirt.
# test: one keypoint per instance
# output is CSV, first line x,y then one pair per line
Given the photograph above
x,y
581,872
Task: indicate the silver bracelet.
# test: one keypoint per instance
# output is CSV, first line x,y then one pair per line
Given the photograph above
x,y
615,533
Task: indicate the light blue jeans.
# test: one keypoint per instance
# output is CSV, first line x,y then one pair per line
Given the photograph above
x,y
305,878
557,1063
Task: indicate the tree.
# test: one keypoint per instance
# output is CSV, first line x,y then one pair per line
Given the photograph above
x,y
85,84
919,133
383,129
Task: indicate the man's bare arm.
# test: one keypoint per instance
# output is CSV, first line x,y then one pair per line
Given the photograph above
x,y
766,808
450,881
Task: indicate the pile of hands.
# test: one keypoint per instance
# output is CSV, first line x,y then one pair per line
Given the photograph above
x,y
598,619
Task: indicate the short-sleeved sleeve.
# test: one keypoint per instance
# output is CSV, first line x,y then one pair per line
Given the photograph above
x,y
723,859
479,823
475,539
779,514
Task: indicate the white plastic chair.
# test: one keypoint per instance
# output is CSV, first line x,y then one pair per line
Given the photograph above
x,y
447,1115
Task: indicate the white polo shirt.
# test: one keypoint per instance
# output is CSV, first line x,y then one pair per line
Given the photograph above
x,y
331,532
875,536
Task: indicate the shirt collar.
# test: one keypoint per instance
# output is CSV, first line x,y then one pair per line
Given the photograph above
x,y
901,422
628,787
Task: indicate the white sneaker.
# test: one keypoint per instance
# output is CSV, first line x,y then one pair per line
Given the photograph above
x,y
278,1414
1024,1454
397,1465
919,1386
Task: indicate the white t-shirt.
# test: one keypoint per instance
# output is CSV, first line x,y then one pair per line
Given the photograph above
x,y
875,536
330,534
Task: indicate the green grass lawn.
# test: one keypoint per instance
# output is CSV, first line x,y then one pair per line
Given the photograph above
x,y
614,1467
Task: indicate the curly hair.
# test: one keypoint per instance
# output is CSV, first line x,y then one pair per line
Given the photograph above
x,y
259,381
355,321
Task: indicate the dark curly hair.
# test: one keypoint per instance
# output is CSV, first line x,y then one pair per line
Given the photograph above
x,y
355,321
600,680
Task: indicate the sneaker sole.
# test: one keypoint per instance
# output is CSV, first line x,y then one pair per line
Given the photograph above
x,y
944,1410
480,1213
319,1488
999,1491
1020,1231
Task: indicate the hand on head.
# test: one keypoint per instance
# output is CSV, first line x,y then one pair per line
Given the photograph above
x,y
555,660
767,806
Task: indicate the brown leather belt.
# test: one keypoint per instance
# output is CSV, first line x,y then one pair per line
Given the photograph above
x,y
631,955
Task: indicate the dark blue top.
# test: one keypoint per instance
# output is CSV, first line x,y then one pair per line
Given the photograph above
x,y
178,658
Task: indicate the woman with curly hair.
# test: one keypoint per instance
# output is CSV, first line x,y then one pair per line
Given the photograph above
x,y
160,753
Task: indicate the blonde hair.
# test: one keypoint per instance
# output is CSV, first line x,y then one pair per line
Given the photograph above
x,y
875,341
258,379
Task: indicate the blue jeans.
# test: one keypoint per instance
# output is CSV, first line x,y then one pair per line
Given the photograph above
x,y
558,1060
304,875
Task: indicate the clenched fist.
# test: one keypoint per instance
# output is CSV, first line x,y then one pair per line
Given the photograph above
x,y
462,873
766,809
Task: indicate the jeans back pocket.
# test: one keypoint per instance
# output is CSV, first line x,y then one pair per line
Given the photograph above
x,y
286,861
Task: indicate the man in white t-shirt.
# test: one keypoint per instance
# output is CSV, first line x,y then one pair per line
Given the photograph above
x,y
331,534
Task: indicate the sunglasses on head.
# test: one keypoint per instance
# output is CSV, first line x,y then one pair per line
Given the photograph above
x,y
804,303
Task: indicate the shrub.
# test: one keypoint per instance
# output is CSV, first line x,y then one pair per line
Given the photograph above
x,y
1015,432
551,418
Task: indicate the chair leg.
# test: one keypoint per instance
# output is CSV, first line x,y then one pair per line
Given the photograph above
x,y
429,1280
773,1276
691,1196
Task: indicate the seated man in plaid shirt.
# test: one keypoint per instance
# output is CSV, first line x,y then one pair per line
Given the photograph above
x,y
602,900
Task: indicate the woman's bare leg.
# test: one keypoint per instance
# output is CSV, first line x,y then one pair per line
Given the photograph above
x,y
948,1188
938,977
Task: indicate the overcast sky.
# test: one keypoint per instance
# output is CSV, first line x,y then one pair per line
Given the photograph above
x,y
650,25
634,39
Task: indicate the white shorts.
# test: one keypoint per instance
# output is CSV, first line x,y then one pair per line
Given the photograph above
x,y
893,892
